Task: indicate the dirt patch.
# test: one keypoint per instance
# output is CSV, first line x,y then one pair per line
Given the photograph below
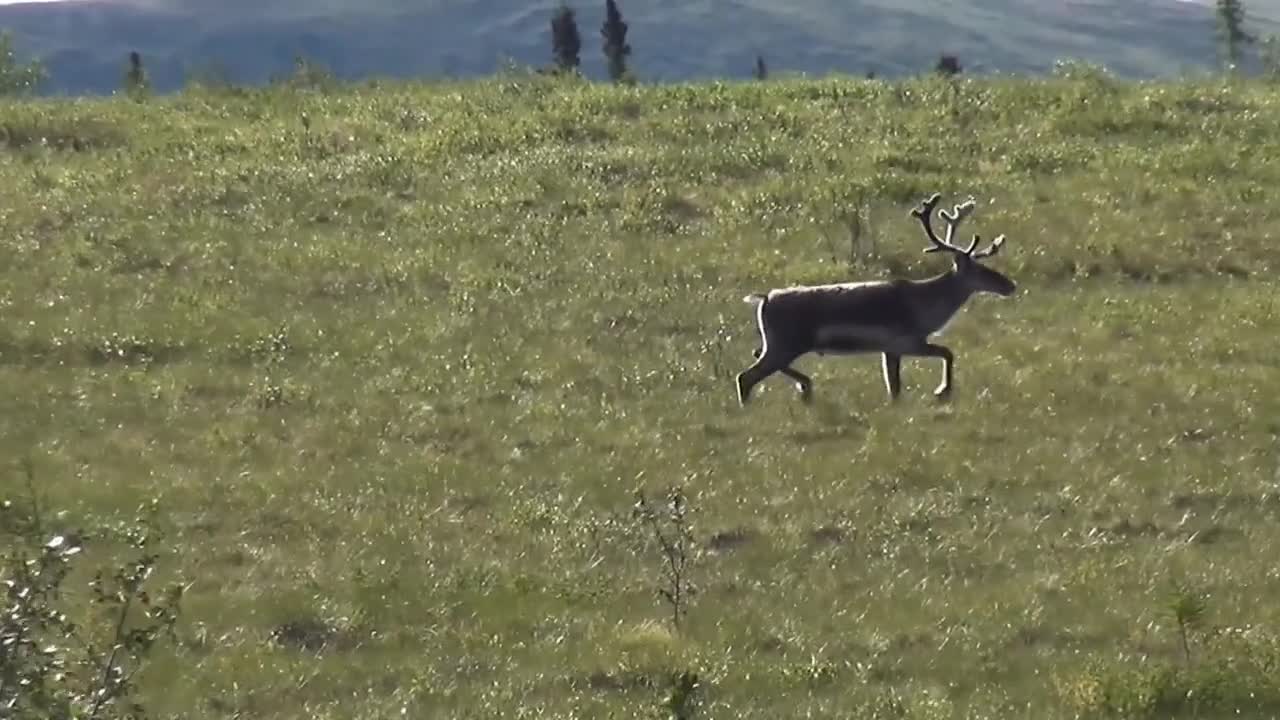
x,y
1209,501
313,635
828,535
617,681
63,134
729,540
464,504
132,350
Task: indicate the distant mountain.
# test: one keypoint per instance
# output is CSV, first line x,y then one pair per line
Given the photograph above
x,y
85,42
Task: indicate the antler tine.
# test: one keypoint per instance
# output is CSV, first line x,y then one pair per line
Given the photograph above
x,y
923,213
955,217
926,206
990,250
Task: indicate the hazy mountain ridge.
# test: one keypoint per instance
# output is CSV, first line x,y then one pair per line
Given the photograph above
x,y
84,42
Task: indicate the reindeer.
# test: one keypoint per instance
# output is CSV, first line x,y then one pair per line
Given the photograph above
x,y
893,317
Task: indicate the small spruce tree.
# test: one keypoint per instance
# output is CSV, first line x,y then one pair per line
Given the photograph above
x,y
1270,57
1232,37
762,72
136,83
948,65
616,49
565,41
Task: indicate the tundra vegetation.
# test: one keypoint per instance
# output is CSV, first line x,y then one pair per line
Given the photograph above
x,y
388,365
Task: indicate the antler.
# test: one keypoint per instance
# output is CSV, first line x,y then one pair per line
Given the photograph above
x,y
924,214
990,250
953,217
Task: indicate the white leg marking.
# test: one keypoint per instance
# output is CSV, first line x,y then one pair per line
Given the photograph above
x,y
764,337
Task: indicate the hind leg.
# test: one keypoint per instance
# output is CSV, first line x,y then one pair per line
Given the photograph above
x,y
803,382
748,379
764,366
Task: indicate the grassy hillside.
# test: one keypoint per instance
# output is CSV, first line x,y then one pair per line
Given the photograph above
x,y
393,375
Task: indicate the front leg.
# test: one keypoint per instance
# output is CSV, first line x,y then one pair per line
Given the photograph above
x,y
893,374
948,360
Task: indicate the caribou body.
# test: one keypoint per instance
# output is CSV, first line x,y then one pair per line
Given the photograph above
x,y
892,317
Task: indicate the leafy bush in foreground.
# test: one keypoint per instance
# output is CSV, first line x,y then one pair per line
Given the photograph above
x,y
52,666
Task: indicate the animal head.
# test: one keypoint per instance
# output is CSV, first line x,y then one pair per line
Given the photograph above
x,y
976,276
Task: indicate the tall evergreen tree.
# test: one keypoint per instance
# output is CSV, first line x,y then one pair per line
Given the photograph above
x,y
1231,33
616,49
762,72
948,65
565,41
135,78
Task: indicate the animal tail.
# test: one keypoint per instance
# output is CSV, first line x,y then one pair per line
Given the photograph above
x,y
754,298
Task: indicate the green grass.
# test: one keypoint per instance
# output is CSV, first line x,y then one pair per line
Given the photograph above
x,y
394,378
